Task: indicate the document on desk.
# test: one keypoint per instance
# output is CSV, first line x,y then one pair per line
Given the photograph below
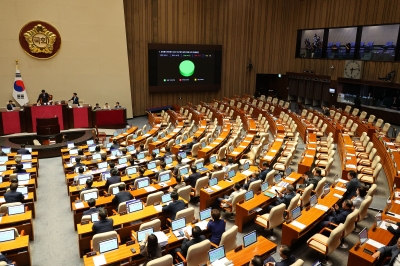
x,y
321,207
375,243
216,187
397,201
209,190
298,225
235,152
273,188
350,166
79,205
149,189
208,147
99,260
202,224
243,147
343,181
337,196
383,225
69,164
158,208
340,188
2,200
290,179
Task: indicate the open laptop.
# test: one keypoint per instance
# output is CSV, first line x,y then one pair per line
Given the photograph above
x,y
166,199
217,257
18,209
134,206
102,165
92,148
96,156
108,145
213,159
363,236
203,144
277,178
177,141
204,216
162,135
70,145
296,212
156,151
327,189
130,148
27,165
23,190
378,219
90,142
7,235
288,171
122,160
108,245
6,150
200,167
73,152
152,166
90,195
142,183
131,170
248,195
212,182
26,157
249,239
164,178
155,139
264,186
24,177
140,157
246,168
313,200
82,180
106,175
94,217
141,235
231,174
115,134
184,171
183,156
115,190
3,159
177,226
168,160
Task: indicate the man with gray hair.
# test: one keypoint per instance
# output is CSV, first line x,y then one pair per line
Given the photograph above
x,y
285,197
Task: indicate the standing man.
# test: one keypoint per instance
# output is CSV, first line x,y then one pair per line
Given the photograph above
x,y
10,105
23,150
75,98
352,185
43,97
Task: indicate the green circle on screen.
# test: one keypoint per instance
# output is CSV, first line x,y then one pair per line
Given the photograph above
x,y
186,68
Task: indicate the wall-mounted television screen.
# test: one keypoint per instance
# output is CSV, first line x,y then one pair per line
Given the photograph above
x,y
332,90
184,67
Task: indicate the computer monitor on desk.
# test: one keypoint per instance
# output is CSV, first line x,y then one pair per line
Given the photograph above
x,y
296,212
26,157
216,254
90,195
213,182
23,177
178,224
231,174
96,156
249,239
131,170
168,160
164,177
151,165
90,142
108,245
213,159
363,236
248,195
205,214
122,160
18,209
141,235
102,165
7,235
134,206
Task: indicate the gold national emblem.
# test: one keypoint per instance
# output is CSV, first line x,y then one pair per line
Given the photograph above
x,y
40,40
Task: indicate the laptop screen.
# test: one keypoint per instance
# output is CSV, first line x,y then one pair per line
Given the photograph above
x,y
178,224
102,165
143,183
26,157
7,235
90,195
164,177
94,217
73,152
288,171
6,150
162,135
231,173
23,190
108,245
177,141
205,214
168,160
184,170
12,210
166,198
27,165
313,200
248,195
213,159
3,158
140,155
70,145
106,175
216,254
326,189
264,186
122,160
141,235
134,206
249,239
115,190
363,235
296,212
3,168
96,156
156,151
151,165
185,137
92,148
82,180
278,178
246,166
155,139
130,148
213,181
203,145
23,177
115,134
199,165
183,155
131,170
90,142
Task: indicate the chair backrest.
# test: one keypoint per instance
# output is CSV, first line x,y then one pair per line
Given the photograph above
x,y
337,116
154,197
379,122
363,115
219,175
375,161
165,260
371,190
377,170
305,197
371,119
4,207
364,207
195,149
276,217
234,167
9,228
298,262
155,224
86,218
255,186
354,127
200,183
350,223
349,123
347,109
188,213
334,239
332,113
293,204
184,192
88,191
112,186
355,111
343,120
228,239
198,253
320,187
221,153
385,128
237,198
304,113
100,237
270,178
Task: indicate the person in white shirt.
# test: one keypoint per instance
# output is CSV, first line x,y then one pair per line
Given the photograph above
x,y
106,107
361,193
223,202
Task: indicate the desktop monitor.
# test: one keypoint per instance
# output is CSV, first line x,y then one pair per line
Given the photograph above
x,y
313,200
213,181
7,235
70,145
131,170
151,165
27,165
141,235
213,159
164,177
6,150
248,195
18,209
115,134
178,224
90,195
216,254
296,212
26,157
363,235
108,245
246,166
92,148
264,186
155,139
3,168
77,169
94,217
177,141
73,152
166,198
96,156
134,206
122,160
250,239
184,170
231,173
102,165
90,142
168,160
156,151
205,214
182,154
23,177
288,171
140,156
326,189
130,148
141,183
3,158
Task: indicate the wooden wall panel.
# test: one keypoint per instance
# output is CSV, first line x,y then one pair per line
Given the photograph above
x,y
263,32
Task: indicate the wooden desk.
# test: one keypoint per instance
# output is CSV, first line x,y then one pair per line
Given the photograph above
x,y
143,137
214,146
308,156
31,187
242,147
121,137
347,155
17,250
28,201
20,221
163,142
199,134
271,155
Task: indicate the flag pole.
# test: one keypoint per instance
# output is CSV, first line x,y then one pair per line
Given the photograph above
x,y
16,63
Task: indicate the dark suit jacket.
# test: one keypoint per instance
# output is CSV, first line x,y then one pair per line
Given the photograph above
x,y
121,197
390,250
340,215
263,174
19,171
286,262
192,179
112,180
351,187
10,106
187,243
251,180
23,151
286,198
314,181
173,208
75,100
103,226
2,153
45,98
114,147
90,211
395,232
190,145
13,196
79,165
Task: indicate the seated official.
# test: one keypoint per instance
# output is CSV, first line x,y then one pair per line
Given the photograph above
x,y
175,206
97,149
78,162
80,174
228,165
390,228
88,185
193,177
393,251
117,105
216,168
8,262
337,215
216,226
352,185
141,148
188,147
103,224
122,195
142,170
106,107
179,184
13,195
361,192
153,157
115,145
92,207
264,171
223,202
23,150
163,166
197,237
2,153
97,107
256,261
178,165
283,198
10,105
81,154
150,249
124,151
250,179
74,99
167,151
19,168
114,178
313,178
287,258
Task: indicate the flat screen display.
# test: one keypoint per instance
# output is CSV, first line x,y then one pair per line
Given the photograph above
x,y
249,239
216,254
108,245
7,235
178,224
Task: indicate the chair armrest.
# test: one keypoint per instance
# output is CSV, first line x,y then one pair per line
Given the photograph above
x,y
169,220
114,212
259,216
326,229
119,239
91,245
300,190
181,257
214,245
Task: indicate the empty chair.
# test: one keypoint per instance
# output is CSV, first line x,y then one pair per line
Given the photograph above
x,y
305,197
355,112
195,149
270,178
369,169
337,117
228,239
293,204
166,260
325,172
379,123
231,207
255,186
363,115
298,262
347,109
371,119
155,224
385,129
352,130
370,179
319,190
349,226
304,113
272,219
188,213
200,183
362,211
184,192
371,190
154,197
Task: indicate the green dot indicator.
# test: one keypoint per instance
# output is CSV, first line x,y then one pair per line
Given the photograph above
x,y
165,80
186,68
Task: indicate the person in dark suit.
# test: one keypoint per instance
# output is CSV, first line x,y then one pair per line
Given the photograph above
x,y
44,96
192,179
97,107
287,258
122,195
314,179
3,258
114,178
19,168
13,195
337,215
23,150
89,184
257,261
283,198
392,251
189,146
117,105
175,206
394,105
153,157
75,98
2,153
352,185
264,171
92,209
115,145
167,151
10,105
250,180
357,102
103,224
78,162
197,237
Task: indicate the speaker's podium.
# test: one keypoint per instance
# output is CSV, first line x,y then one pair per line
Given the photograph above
x,y
47,126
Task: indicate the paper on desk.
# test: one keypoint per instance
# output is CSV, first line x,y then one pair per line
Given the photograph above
x,y
149,189
397,201
79,205
273,150
2,200
290,179
257,209
208,147
383,225
375,243
69,164
309,156
350,166
146,135
215,143
321,207
340,188
23,182
243,147
235,152
209,190
216,187
202,224
343,181
298,225
338,196
272,189
278,139
99,260
0,219
158,208
268,158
